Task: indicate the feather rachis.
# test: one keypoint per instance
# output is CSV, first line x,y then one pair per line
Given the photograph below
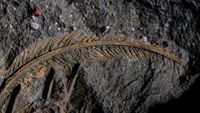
x,y
51,47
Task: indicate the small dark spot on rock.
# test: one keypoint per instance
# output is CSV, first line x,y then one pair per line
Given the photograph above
x,y
71,28
70,1
110,2
102,29
4,11
182,79
164,43
127,1
16,4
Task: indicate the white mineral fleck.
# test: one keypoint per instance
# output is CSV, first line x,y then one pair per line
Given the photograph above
x,y
107,28
33,17
133,29
35,25
145,38
11,26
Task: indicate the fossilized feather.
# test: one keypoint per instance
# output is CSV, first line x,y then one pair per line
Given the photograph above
x,y
77,47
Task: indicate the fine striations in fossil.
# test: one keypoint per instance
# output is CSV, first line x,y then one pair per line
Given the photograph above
x,y
56,63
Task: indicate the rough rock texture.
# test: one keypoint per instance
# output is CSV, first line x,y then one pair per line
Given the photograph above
x,y
114,86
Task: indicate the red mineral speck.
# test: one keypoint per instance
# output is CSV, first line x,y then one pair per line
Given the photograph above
x,y
37,11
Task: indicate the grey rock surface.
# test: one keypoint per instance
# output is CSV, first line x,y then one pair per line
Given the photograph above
x,y
113,86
